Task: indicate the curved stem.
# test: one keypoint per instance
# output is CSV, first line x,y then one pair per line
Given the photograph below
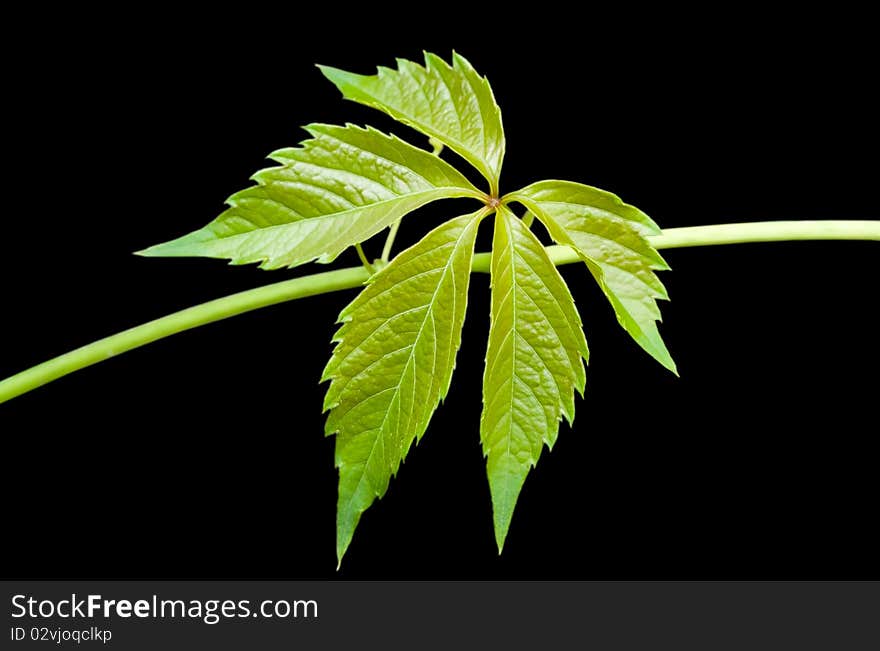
x,y
782,231
364,261
331,281
389,241
221,308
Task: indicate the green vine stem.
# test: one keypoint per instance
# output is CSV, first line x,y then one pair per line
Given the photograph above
x,y
389,241
331,281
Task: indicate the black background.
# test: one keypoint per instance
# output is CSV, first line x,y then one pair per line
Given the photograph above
x,y
203,455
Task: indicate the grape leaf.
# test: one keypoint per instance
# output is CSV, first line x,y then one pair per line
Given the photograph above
x,y
533,362
338,188
451,104
393,363
610,236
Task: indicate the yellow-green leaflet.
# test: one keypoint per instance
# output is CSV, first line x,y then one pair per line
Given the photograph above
x,y
338,189
533,362
610,237
393,363
452,104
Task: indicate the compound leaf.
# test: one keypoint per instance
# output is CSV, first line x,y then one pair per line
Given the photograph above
x,y
451,104
337,189
533,362
393,363
610,236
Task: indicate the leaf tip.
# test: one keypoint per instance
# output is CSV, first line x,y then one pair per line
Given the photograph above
x,y
501,535
327,71
339,78
661,354
344,534
505,487
154,251
186,245
340,552
658,350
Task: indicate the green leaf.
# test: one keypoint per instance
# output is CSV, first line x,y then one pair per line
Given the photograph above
x,y
393,363
610,236
451,104
339,188
533,362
